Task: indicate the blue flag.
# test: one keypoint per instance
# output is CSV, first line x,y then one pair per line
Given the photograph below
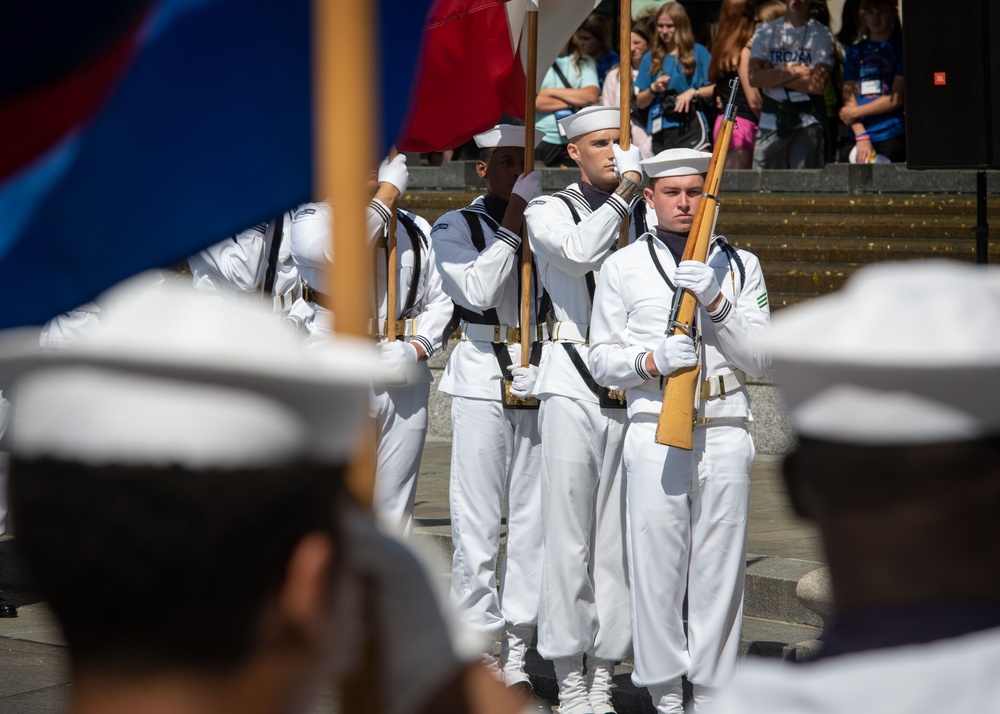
x,y
205,130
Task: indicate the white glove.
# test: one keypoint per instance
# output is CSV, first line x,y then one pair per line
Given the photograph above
x,y
523,380
528,186
674,353
394,172
699,279
399,356
627,159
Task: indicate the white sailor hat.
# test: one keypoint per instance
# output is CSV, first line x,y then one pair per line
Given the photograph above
x,y
505,135
173,376
906,353
676,162
590,119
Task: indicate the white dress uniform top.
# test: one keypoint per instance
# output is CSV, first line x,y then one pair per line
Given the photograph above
x,y
955,675
400,412
584,602
687,510
496,454
242,264
865,377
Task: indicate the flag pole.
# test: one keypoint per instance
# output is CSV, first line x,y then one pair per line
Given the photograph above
x,y
625,96
344,149
390,277
530,77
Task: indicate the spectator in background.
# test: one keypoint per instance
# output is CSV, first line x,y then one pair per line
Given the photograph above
x,y
731,59
850,24
594,40
790,61
873,86
673,81
770,10
570,84
820,12
611,93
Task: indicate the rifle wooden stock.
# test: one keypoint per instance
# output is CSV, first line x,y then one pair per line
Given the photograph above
x,y
675,426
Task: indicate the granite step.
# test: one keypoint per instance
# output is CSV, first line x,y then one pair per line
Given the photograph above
x,y
885,225
855,205
852,250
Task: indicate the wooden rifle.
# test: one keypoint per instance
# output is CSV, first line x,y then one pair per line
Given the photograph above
x,y
675,426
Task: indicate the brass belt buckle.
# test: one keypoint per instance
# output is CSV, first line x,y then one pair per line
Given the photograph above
x,y
510,401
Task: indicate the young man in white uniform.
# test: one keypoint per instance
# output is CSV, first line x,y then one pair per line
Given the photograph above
x,y
496,454
687,509
898,463
256,260
584,602
423,312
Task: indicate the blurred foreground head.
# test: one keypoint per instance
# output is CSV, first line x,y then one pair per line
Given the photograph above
x,y
892,385
175,483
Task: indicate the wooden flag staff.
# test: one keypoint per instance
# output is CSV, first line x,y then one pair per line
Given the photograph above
x,y
625,95
390,276
530,77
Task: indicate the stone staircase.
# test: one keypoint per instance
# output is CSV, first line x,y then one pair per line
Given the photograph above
x,y
810,228
809,245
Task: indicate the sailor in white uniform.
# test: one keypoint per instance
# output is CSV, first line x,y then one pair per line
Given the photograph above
x,y
898,463
584,601
423,312
256,261
496,456
687,509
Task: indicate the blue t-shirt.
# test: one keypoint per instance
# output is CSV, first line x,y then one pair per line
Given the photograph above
x,y
875,66
604,65
586,76
679,82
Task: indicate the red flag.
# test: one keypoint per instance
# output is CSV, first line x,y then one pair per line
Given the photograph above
x,y
472,66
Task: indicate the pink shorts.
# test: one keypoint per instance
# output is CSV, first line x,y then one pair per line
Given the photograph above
x,y
743,133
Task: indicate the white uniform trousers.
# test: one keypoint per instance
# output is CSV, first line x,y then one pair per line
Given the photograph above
x,y
495,456
400,414
687,515
583,607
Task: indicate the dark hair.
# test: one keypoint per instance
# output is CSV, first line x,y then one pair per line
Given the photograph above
x,y
151,568
854,477
598,26
645,28
819,11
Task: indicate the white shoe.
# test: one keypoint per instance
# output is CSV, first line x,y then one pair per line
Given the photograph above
x,y
599,673
668,698
573,697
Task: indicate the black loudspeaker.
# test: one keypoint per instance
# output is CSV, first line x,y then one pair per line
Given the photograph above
x,y
952,84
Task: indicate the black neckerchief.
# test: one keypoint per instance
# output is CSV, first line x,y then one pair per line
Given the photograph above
x,y
675,242
595,197
495,207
